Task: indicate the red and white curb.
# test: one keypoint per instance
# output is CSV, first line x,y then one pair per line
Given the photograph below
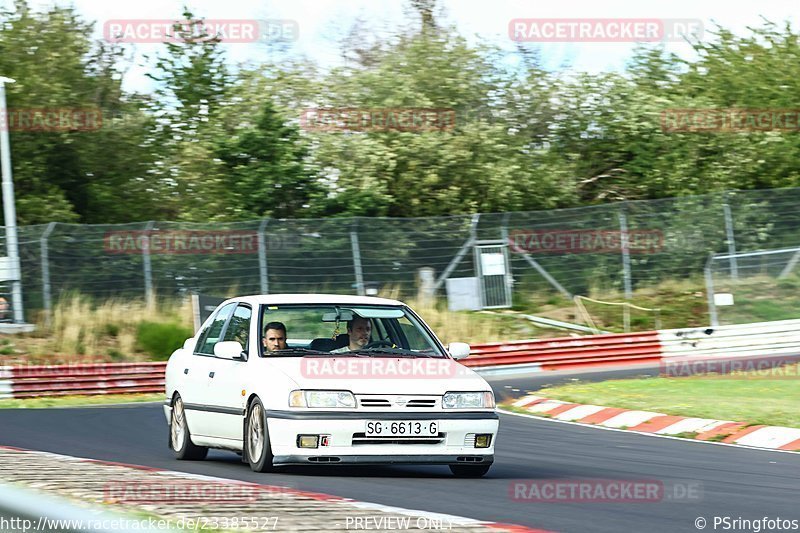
x,y
706,429
450,522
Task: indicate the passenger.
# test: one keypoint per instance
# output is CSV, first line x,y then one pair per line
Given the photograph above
x,y
274,336
359,330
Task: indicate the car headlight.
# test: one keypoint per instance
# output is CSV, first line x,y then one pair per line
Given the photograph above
x,y
322,398
468,400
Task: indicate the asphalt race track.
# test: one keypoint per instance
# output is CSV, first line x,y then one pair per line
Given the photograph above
x,y
729,481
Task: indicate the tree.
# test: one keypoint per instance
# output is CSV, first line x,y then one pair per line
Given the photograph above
x,y
265,168
69,175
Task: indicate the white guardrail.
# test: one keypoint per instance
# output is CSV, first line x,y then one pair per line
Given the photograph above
x,y
757,339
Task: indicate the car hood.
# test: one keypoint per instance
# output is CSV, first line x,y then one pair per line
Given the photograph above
x,y
380,375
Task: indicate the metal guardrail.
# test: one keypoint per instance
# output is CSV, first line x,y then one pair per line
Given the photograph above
x,y
81,379
571,352
780,337
649,347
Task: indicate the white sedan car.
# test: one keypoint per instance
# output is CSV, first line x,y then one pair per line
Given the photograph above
x,y
324,379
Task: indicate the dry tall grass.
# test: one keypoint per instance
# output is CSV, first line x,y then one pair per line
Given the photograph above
x,y
108,329
85,330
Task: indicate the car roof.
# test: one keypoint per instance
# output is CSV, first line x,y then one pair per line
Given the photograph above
x,y
277,299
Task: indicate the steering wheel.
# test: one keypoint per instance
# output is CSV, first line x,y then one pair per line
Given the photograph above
x,y
377,344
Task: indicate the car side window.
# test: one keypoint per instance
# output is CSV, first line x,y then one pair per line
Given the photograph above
x,y
239,326
211,335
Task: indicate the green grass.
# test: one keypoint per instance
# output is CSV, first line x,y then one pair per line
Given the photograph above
x,y
74,401
742,397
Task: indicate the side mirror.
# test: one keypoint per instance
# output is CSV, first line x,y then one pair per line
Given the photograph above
x,y
458,350
229,350
188,344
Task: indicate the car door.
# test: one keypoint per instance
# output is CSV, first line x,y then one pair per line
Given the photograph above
x,y
197,369
226,379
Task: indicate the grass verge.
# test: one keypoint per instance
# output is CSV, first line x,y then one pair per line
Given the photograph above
x,y
76,401
747,397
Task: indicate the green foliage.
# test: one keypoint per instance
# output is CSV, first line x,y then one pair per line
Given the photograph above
x,y
160,339
214,143
264,165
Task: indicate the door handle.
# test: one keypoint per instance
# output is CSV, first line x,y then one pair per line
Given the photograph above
x,y
211,374
185,370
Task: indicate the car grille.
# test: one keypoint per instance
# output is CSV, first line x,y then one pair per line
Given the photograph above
x,y
399,402
375,402
362,439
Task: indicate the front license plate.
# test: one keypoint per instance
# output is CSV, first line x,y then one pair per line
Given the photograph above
x,y
402,428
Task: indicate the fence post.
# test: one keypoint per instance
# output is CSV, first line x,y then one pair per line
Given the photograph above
x,y
46,296
509,270
262,257
626,255
712,305
148,273
473,229
731,241
531,261
357,259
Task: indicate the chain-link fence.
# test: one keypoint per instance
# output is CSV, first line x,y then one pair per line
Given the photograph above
x,y
567,251
764,283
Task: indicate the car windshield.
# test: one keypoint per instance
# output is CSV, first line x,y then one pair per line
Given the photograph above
x,y
325,330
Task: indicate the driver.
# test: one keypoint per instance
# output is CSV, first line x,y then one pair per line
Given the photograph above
x,y
359,330
274,336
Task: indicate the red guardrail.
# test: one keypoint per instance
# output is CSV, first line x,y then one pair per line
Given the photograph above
x,y
571,352
84,379
548,354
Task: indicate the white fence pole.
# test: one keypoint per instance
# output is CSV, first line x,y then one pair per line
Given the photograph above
x,y
626,255
262,257
357,261
148,271
46,295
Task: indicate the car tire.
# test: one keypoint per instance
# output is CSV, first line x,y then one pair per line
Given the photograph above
x,y
469,470
256,438
180,438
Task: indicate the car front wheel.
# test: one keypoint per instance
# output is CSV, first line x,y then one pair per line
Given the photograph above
x,y
179,437
256,437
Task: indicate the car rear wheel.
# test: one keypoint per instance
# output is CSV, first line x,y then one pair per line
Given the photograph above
x,y
469,470
256,438
180,438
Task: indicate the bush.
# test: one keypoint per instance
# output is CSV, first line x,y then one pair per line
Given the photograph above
x,y
160,339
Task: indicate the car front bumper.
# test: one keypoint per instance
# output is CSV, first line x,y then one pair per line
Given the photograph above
x,y
453,445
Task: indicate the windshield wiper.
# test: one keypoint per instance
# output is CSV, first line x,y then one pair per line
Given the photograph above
x,y
289,351
393,351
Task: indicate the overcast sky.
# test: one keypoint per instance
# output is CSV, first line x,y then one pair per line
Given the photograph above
x,y
323,22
